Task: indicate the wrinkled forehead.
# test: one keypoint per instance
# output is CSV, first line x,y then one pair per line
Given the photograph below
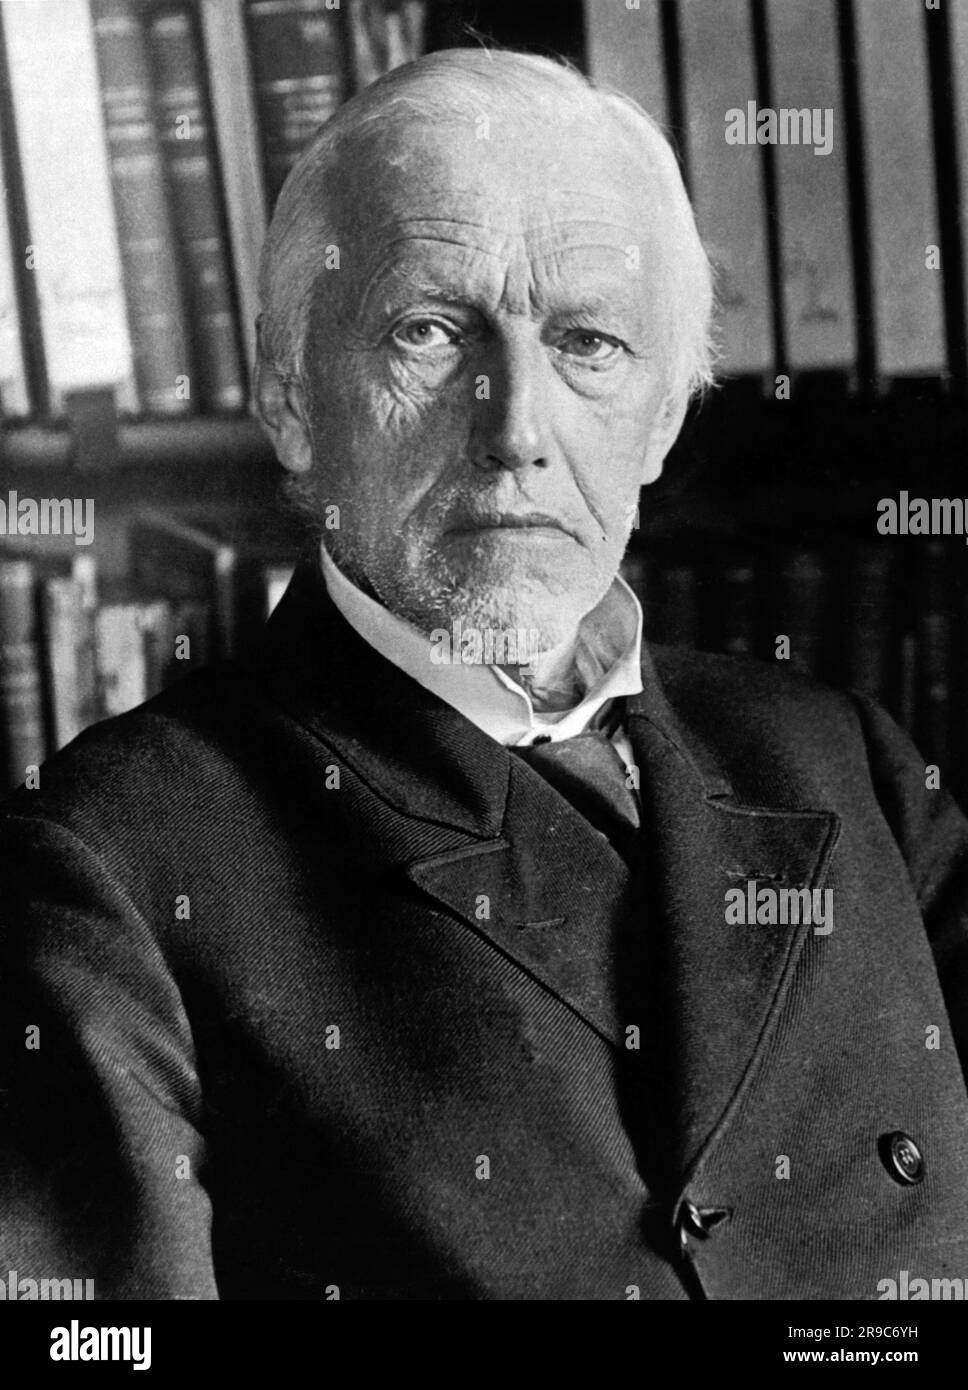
x,y
583,188
505,158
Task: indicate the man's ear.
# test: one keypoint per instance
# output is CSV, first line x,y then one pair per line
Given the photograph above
x,y
282,410
665,431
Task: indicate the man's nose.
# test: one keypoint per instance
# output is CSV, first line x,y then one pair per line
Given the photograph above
x,y
511,407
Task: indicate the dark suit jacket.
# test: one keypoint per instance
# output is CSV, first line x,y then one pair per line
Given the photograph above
x,y
195,914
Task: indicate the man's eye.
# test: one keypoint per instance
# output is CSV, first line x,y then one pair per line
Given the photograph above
x,y
425,333
593,347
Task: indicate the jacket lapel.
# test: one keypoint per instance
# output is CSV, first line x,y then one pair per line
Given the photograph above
x,y
549,894
714,990
485,837
425,761
481,834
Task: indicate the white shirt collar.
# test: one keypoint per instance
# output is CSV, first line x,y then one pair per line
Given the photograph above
x,y
608,657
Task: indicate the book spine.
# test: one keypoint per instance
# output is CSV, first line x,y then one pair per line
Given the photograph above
x,y
730,619
869,649
299,65
676,607
67,613
121,658
184,131
157,641
193,632
382,36
237,134
905,234
73,249
727,177
61,617
84,572
801,594
959,695
151,276
958,22
13,376
625,52
934,647
815,255
21,688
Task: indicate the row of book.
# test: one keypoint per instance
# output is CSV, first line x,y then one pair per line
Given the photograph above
x,y
142,142
884,617
826,148
75,649
875,616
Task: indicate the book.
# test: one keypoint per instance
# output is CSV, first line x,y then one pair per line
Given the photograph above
x,y
934,655
193,639
958,30
22,736
121,667
13,377
867,656
84,573
799,610
729,618
815,251
933,648
899,163
133,645
674,608
907,681
67,617
232,92
959,692
219,559
299,63
383,34
153,287
727,178
188,148
73,248
624,49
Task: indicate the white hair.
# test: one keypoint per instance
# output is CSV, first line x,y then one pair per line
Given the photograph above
x,y
462,83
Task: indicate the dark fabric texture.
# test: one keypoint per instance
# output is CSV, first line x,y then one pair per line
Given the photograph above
x,y
333,992
589,773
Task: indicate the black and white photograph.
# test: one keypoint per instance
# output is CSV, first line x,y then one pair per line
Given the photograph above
x,y
484,663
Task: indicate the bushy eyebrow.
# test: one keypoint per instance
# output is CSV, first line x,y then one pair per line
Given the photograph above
x,y
479,285
589,306
393,276
597,313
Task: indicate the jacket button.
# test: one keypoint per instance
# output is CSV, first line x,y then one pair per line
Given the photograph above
x,y
700,1221
903,1158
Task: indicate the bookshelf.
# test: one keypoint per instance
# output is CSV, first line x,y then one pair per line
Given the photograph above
x,y
878,397
199,443
646,51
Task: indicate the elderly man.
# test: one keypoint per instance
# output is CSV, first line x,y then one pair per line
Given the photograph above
x,y
348,971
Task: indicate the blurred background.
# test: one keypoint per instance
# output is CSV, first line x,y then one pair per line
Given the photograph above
x,y
142,144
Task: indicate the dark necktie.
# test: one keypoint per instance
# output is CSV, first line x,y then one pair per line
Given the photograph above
x,y
588,771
